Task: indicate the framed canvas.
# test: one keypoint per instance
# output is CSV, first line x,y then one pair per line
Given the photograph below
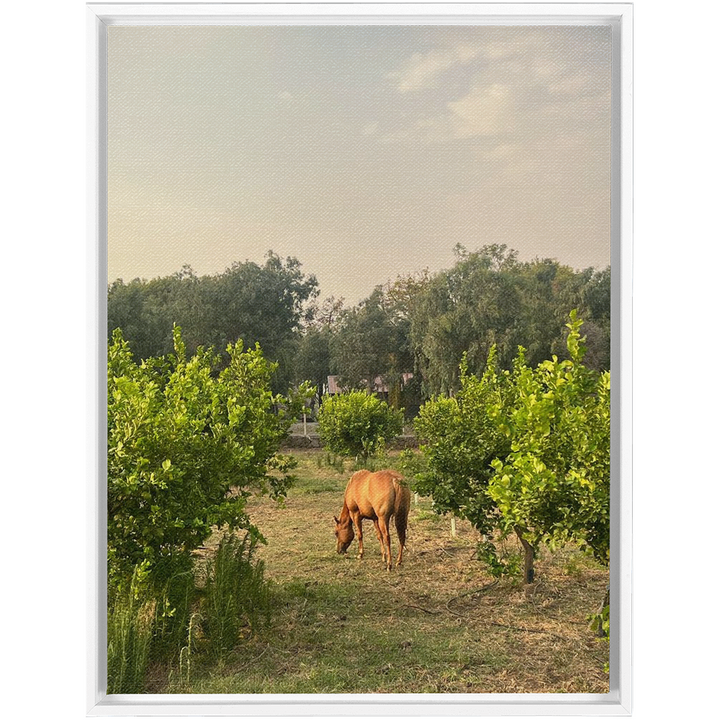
x,y
419,189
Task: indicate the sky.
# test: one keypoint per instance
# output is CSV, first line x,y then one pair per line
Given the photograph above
x,y
365,152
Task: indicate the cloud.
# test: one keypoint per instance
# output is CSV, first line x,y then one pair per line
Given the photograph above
x,y
570,84
483,111
422,70
510,89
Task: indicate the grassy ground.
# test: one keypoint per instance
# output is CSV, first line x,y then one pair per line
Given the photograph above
x,y
436,624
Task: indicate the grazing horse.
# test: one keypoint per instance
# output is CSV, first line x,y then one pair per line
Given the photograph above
x,y
375,496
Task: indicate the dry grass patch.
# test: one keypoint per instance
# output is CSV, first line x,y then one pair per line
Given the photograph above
x,y
438,623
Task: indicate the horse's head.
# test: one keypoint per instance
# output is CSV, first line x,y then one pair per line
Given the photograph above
x,y
344,534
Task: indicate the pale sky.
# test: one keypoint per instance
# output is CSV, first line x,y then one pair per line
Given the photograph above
x,y
366,152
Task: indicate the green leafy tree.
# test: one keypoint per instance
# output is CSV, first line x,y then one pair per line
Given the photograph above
x,y
460,440
463,312
372,341
357,424
489,298
525,451
313,360
186,447
554,485
263,304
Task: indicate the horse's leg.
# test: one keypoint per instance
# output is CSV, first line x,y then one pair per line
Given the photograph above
x,y
385,531
380,538
401,527
358,524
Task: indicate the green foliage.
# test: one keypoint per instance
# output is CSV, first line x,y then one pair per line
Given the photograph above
x,y
412,465
489,298
459,440
497,566
186,447
176,596
132,612
420,323
357,424
312,362
600,622
555,482
299,399
313,359
236,596
526,450
336,462
372,341
263,304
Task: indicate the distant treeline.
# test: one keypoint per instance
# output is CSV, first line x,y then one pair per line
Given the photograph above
x,y
421,323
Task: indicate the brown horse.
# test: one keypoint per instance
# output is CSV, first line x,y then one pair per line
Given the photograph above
x,y
375,496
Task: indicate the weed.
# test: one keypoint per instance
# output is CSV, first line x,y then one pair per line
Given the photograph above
x,y
131,619
236,596
177,595
572,567
499,565
330,460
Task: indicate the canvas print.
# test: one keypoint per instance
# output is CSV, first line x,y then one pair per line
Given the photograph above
x,y
358,316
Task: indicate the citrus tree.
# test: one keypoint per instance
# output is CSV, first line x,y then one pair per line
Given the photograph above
x,y
357,424
460,440
554,484
525,450
186,447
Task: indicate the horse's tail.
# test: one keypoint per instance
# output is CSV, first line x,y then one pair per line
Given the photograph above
x,y
402,504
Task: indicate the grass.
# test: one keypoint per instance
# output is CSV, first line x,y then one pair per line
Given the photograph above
x,y
439,623
131,620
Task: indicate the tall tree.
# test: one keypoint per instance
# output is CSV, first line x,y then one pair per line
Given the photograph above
x,y
313,360
263,304
489,298
372,341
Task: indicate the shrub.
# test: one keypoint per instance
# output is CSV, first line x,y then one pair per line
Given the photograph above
x,y
555,482
357,424
187,445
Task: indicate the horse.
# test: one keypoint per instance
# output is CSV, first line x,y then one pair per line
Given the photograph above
x,y
375,496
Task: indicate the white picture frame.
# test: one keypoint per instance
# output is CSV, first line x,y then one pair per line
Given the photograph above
x,y
620,16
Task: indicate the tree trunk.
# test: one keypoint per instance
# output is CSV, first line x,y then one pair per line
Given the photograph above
x,y
528,570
